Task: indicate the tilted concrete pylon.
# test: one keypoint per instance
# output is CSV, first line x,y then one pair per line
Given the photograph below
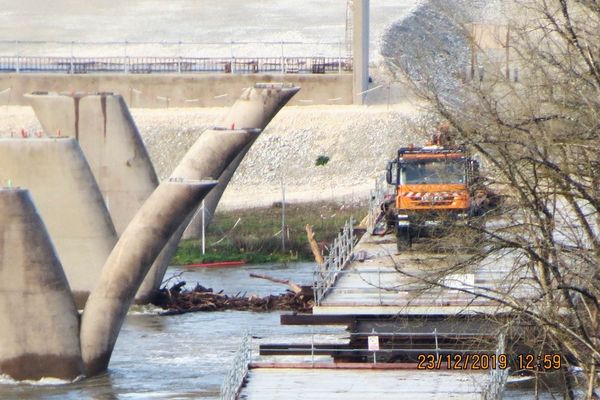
x,y
143,239
119,161
39,334
68,199
255,108
111,142
115,151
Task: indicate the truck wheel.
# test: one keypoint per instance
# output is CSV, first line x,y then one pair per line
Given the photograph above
x,y
403,240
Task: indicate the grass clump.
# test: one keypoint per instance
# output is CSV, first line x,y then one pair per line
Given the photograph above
x,y
257,237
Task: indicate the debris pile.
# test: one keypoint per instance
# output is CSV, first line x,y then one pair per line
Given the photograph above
x,y
177,300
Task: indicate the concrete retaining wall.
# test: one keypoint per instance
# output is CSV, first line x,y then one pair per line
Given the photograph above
x,y
177,90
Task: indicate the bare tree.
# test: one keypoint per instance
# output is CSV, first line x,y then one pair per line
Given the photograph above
x,y
533,116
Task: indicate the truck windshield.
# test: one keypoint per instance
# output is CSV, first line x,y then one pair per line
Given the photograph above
x,y
433,172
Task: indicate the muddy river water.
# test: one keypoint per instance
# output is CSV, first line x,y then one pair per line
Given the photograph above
x,y
188,356
182,356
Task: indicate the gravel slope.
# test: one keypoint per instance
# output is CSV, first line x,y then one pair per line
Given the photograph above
x,y
358,141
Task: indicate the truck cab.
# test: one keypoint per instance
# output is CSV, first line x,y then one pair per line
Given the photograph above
x,y
433,186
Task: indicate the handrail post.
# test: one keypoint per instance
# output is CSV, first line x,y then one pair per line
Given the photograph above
x,y
72,69
179,61
339,57
312,345
18,66
126,66
282,59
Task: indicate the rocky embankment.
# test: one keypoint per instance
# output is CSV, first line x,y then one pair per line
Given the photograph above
x,y
357,140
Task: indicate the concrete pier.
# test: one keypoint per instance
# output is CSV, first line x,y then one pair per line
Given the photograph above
x,y
155,223
111,142
40,325
69,201
255,108
115,151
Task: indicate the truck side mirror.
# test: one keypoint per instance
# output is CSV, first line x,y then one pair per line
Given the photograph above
x,y
388,173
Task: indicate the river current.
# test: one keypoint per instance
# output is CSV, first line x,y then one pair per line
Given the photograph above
x,y
183,356
188,356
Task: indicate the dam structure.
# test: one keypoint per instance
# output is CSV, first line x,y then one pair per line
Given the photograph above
x,y
331,72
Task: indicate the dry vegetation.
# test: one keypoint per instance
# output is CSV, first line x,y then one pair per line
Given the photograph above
x,y
539,135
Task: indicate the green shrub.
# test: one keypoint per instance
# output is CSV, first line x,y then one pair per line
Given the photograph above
x,y
321,160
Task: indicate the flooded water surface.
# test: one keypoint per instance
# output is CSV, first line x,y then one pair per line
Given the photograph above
x,y
188,356
182,356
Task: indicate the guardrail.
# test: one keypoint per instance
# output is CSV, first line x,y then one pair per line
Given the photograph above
x,y
438,344
339,255
376,198
238,372
149,65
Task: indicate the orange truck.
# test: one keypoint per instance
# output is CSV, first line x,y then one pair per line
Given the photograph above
x,y
434,185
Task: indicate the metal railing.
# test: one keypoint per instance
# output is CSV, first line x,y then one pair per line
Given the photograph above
x,y
439,347
376,198
339,255
150,65
238,372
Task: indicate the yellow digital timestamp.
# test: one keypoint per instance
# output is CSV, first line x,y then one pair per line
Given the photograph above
x,y
471,361
480,361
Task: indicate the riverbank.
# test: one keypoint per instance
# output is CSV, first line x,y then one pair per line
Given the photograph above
x,y
357,140
254,234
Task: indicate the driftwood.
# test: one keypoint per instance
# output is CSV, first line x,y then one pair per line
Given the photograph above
x,y
314,246
177,300
292,285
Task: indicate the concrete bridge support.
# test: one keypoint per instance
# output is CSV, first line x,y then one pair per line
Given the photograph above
x,y
255,108
115,151
53,347
111,142
153,225
62,185
40,325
